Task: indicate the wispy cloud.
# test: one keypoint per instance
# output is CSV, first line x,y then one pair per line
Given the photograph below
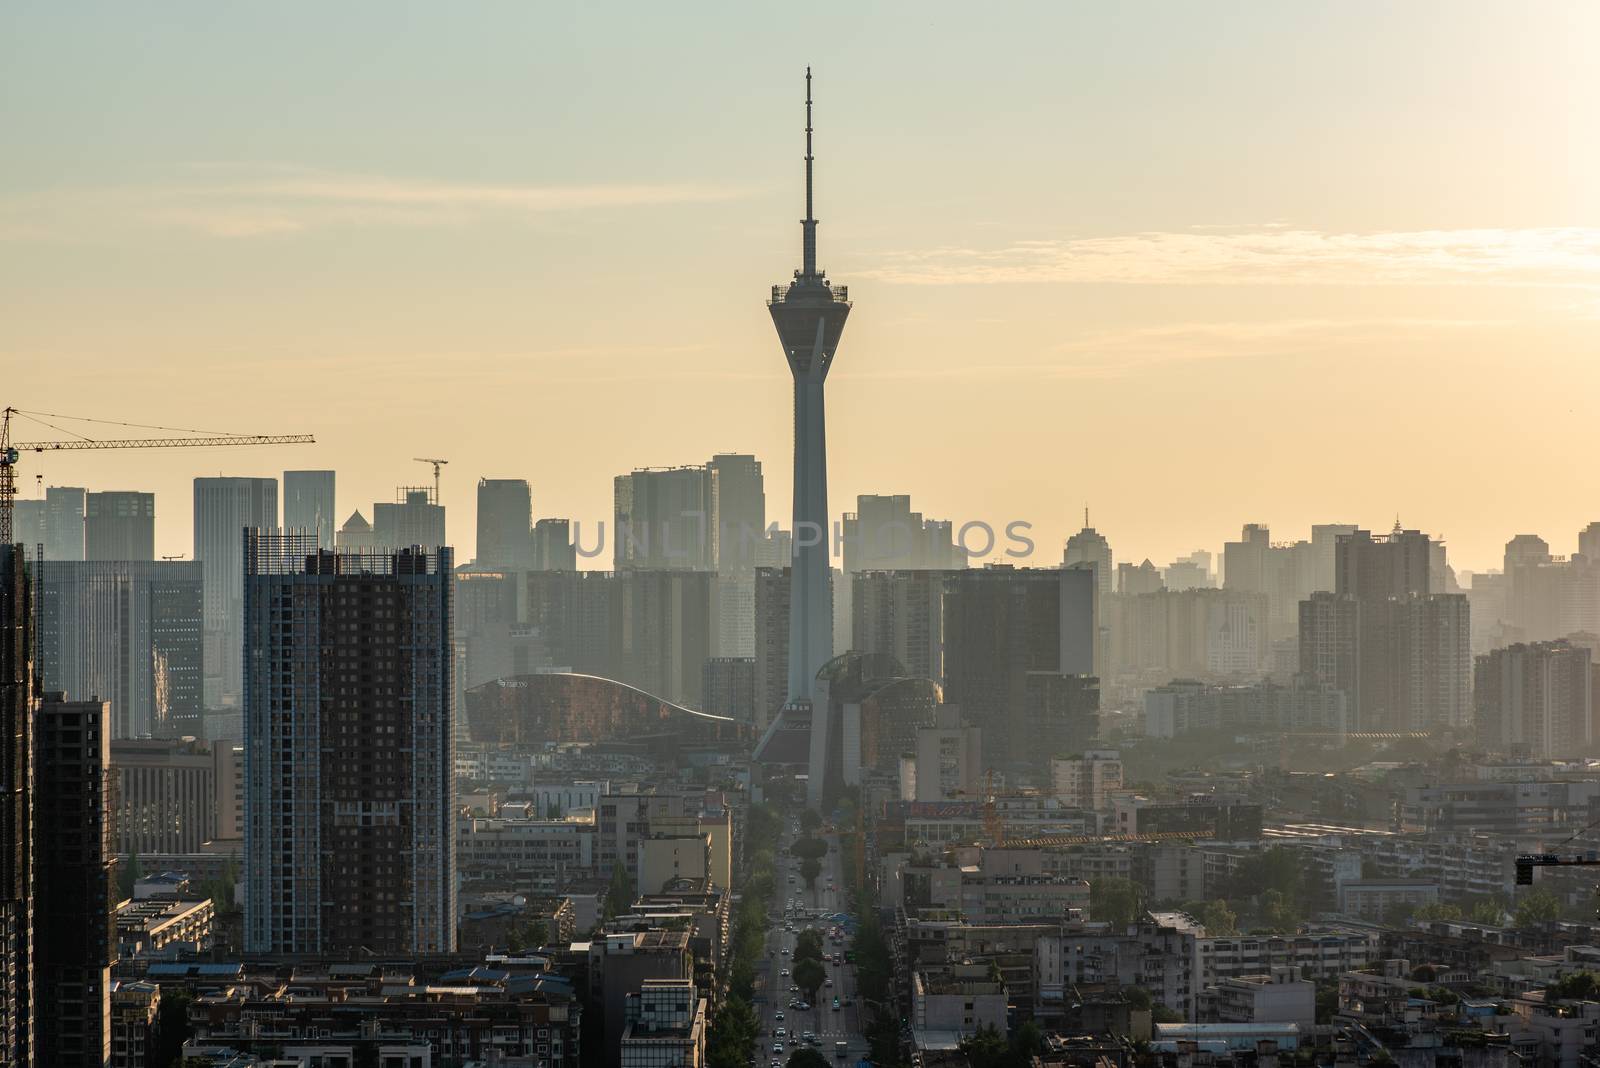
x,y
229,203
1117,352
1267,255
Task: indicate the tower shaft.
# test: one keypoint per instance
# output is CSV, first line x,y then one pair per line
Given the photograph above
x,y
809,315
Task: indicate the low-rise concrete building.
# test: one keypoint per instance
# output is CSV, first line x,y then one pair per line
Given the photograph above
x,y
962,1002
1281,997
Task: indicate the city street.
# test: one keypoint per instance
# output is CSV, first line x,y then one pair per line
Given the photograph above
x,y
830,1026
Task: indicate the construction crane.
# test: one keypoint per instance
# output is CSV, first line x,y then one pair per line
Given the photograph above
x,y
11,451
436,465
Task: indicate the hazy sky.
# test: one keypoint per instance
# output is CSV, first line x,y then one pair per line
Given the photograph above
x,y
1192,264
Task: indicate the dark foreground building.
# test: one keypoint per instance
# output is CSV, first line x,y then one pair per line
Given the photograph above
x,y
349,835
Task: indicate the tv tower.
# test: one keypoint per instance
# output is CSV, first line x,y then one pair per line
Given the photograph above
x,y
809,314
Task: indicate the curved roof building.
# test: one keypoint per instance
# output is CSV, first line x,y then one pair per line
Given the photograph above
x,y
562,707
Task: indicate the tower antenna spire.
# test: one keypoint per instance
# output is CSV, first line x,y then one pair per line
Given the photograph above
x,y
808,225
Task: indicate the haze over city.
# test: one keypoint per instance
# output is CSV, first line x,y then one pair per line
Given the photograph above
x,y
886,536
1290,265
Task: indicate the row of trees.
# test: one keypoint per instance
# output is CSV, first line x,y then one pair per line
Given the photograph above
x,y
810,851
736,1028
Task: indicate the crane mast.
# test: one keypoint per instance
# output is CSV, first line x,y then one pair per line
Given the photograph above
x,y
11,452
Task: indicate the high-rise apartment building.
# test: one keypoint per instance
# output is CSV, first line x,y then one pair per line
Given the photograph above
x,y
571,612
28,523
665,628
414,518
1372,568
1282,572
739,504
739,508
1401,655
63,522
1134,579
664,518
728,687
348,706
308,505
505,524
18,711
901,614
223,509
1536,698
1198,632
119,525
1324,542
129,633
773,590
1004,625
1544,597
72,875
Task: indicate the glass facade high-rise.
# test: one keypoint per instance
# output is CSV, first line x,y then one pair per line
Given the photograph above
x,y
129,633
120,525
348,713
223,509
664,518
505,524
63,522
308,505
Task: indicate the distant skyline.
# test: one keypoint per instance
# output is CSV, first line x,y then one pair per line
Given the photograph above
x,y
1192,266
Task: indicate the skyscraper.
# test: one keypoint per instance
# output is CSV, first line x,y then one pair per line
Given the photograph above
x,y
28,523
223,508
901,614
348,701
774,586
119,525
664,519
1004,627
1090,547
308,505
1400,654
63,522
505,523
18,706
72,922
739,505
884,534
809,315
128,633
553,548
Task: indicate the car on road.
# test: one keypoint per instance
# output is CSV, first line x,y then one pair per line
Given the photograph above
x,y
828,981
778,1016
777,1047
835,1004
782,1032
783,972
